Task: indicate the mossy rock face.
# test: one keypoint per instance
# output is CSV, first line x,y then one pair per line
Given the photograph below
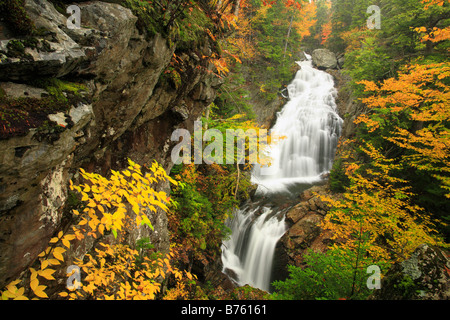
x,y
15,48
16,16
424,276
19,114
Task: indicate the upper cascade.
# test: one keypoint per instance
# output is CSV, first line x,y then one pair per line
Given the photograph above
x,y
311,128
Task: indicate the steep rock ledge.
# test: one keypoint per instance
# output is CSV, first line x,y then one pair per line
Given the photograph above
x,y
127,111
304,230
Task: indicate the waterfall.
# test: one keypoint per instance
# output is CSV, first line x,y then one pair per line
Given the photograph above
x,y
311,128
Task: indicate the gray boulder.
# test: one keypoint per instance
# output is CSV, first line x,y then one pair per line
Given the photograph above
x,y
324,59
424,276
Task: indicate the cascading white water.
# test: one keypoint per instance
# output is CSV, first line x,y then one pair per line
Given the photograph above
x,y
249,252
311,128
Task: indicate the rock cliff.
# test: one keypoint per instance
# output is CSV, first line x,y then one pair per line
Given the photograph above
x,y
423,276
114,102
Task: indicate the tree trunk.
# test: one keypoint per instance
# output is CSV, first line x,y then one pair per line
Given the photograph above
x,y
287,36
236,6
237,180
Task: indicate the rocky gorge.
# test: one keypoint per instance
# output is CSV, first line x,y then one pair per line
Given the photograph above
x,y
117,101
123,109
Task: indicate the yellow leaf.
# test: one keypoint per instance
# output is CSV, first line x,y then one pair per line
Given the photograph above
x,y
12,290
57,253
47,274
66,243
63,294
13,283
54,262
34,284
92,204
20,292
101,228
167,262
19,295
44,264
127,173
85,196
33,274
39,291
69,237
54,240
7,295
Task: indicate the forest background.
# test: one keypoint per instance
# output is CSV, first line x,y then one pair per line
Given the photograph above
x,y
389,185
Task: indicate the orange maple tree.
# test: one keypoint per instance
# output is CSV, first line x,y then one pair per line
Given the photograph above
x,y
422,94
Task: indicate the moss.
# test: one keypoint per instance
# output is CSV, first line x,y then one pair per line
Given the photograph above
x,y
61,90
45,46
16,16
145,13
15,48
406,287
30,42
18,115
248,293
48,131
187,29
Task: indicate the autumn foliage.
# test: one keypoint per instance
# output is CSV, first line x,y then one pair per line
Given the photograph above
x,y
394,171
111,271
422,95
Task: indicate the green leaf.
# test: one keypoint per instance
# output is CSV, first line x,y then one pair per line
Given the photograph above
x,y
148,223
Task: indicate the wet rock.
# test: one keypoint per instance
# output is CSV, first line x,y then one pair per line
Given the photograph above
x,y
324,59
304,226
19,90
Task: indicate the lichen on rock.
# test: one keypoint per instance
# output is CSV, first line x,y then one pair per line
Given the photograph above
x,y
425,275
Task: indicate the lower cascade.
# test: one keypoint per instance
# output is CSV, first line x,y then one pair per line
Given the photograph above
x,y
311,127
